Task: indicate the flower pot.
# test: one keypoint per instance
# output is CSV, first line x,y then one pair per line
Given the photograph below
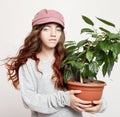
x,y
91,90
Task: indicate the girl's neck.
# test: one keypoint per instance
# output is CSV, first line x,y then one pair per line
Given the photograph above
x,y
46,54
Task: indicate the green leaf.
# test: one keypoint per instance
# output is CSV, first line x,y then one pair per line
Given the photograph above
x,y
110,67
115,48
71,48
95,35
89,55
106,22
82,42
81,54
86,30
104,69
93,68
114,36
110,63
87,20
100,57
84,71
103,29
104,45
69,43
67,75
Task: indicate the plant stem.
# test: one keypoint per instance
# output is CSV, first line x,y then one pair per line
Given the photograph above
x,y
81,79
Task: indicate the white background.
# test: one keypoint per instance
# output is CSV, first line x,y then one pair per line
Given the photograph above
x,y
15,24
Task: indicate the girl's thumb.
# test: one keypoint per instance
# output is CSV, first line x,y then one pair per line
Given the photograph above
x,y
75,91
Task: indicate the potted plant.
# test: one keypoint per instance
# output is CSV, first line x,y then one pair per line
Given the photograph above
x,y
85,58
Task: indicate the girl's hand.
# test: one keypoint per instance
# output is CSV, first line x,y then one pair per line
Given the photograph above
x,y
95,108
78,104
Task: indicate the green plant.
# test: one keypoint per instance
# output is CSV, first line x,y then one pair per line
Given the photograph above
x,y
101,49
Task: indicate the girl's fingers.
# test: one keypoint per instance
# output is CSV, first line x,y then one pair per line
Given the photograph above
x,y
91,110
82,105
94,109
85,102
75,91
79,109
97,102
85,105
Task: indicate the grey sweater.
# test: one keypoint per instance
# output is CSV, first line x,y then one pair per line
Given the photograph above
x,y
38,92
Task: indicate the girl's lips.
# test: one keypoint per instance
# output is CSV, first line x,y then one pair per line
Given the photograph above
x,y
52,40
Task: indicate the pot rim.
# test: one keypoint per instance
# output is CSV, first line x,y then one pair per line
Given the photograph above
x,y
99,84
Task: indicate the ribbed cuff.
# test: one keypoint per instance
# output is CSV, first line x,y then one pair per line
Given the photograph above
x,y
67,98
104,106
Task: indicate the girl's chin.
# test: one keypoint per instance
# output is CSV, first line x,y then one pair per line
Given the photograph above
x,y
52,45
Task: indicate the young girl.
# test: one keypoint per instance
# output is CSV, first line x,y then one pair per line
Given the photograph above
x,y
36,71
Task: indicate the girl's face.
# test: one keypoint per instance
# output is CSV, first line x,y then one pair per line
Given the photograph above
x,y
50,35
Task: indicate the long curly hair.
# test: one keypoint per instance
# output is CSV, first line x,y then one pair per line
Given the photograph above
x,y
30,48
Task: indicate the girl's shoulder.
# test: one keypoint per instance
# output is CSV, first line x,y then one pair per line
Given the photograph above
x,y
29,65
29,62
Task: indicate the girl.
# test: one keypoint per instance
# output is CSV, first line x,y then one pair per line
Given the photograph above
x,y
36,71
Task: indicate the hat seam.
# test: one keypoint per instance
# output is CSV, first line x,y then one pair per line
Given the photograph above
x,y
62,23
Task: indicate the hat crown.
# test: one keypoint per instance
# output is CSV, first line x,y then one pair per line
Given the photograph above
x,y
46,16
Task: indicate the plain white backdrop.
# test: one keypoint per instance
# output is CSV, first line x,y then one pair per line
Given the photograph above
x,y
15,24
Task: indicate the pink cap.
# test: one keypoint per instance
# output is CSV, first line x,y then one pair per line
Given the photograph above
x,y
46,16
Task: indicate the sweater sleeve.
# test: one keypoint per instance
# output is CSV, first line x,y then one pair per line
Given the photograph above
x,y
104,105
43,103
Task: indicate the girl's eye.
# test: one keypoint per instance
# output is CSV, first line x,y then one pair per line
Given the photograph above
x,y
58,29
46,28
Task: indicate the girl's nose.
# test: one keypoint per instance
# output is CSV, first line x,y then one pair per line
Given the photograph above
x,y
53,32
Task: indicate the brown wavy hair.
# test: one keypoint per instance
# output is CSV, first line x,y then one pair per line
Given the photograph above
x,y
30,48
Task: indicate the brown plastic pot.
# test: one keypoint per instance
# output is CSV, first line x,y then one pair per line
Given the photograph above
x,y
91,90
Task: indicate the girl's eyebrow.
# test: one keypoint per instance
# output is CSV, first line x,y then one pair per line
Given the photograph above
x,y
48,25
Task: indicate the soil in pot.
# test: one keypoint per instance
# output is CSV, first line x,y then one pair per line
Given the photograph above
x,y
91,89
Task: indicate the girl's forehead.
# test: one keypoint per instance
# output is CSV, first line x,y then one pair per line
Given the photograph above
x,y
52,24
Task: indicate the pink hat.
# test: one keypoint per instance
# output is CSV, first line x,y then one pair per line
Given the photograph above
x,y
46,16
